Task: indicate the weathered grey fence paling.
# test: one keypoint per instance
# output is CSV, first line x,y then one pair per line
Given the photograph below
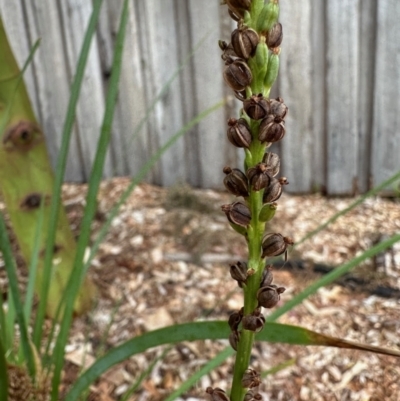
x,y
339,75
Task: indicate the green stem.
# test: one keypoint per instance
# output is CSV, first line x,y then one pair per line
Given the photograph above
x,y
255,233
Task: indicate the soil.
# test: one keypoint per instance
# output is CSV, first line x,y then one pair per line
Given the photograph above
x,y
166,260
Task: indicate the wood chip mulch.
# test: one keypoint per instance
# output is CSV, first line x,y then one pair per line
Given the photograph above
x,y
165,260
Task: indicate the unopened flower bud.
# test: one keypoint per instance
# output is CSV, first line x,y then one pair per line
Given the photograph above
x,y
251,379
236,182
217,394
267,212
239,133
275,244
269,296
268,16
275,36
256,107
272,129
258,176
244,41
273,163
237,213
237,74
273,68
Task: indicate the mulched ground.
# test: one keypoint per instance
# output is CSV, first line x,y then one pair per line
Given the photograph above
x,y
166,260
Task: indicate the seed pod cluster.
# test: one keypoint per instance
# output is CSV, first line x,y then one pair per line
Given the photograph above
x,y
251,379
272,127
254,322
258,176
251,60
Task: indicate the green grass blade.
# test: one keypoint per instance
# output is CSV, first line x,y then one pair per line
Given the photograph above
x,y
278,368
214,330
299,298
60,171
395,177
33,265
3,374
332,276
3,324
143,375
142,173
207,368
5,248
78,272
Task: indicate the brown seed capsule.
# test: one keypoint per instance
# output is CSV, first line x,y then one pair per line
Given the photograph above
x,y
234,319
237,74
275,36
273,163
256,107
258,176
236,182
251,378
217,394
239,273
239,133
227,50
278,108
274,190
267,277
237,213
244,41
275,244
269,295
272,129
252,395
234,338
254,322
240,95
238,8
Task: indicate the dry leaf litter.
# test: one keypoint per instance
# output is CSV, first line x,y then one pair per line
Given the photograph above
x,y
165,260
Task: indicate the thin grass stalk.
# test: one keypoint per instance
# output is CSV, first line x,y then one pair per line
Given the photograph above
x,y
297,300
60,170
78,272
332,276
33,265
374,191
5,248
144,374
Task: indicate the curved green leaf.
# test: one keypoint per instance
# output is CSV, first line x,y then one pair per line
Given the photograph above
x,y
3,374
214,330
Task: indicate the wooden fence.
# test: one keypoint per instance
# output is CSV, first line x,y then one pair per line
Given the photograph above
x,y
340,77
